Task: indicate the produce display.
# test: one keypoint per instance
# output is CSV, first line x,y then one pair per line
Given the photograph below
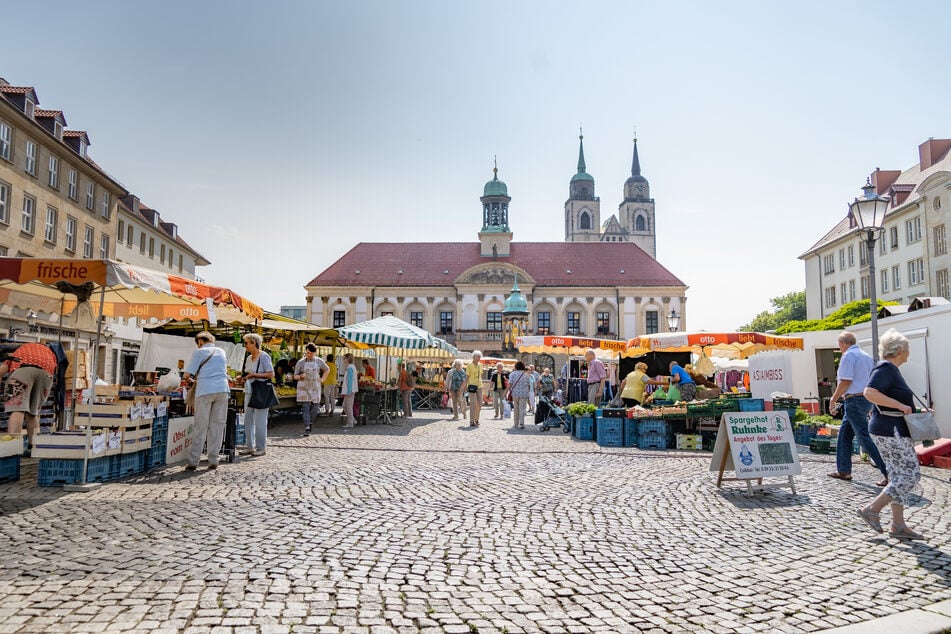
x,y
368,384
581,409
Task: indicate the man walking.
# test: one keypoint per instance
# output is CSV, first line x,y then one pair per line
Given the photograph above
x,y
855,367
596,377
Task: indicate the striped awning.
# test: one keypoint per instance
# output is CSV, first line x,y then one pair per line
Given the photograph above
x,y
389,331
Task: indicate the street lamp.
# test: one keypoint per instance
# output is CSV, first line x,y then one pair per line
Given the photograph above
x,y
673,321
868,213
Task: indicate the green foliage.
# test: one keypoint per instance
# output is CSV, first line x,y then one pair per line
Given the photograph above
x,y
823,419
801,415
580,409
852,313
786,308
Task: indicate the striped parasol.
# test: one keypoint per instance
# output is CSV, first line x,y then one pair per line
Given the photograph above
x,y
388,331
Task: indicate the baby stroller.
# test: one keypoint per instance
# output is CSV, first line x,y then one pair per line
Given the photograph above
x,y
549,415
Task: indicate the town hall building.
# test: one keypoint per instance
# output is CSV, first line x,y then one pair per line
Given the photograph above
x,y
603,281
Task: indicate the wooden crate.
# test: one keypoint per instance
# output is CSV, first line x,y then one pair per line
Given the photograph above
x,y
72,444
692,442
106,393
13,446
104,414
137,438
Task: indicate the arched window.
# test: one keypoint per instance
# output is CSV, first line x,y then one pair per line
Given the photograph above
x,y
585,220
640,224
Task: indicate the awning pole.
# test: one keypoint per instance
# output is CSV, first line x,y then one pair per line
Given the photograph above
x,y
92,379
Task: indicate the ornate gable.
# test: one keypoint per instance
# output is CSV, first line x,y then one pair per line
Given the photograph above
x,y
493,274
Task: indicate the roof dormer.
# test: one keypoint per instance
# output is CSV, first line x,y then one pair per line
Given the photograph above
x,y
52,120
78,140
23,97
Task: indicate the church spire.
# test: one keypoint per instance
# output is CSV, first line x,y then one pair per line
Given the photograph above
x,y
636,163
581,165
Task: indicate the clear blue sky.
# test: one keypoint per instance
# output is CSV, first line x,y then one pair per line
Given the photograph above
x,y
279,134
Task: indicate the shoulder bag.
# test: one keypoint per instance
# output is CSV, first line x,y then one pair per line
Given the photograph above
x,y
921,425
508,397
263,395
190,394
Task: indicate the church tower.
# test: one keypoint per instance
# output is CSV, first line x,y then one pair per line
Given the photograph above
x,y
495,236
636,212
583,208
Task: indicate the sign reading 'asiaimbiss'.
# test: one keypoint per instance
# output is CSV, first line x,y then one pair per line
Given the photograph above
x,y
761,445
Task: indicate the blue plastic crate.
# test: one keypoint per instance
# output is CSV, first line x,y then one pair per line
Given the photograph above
x,y
652,425
59,471
9,469
611,432
751,405
630,432
155,456
128,464
652,440
584,427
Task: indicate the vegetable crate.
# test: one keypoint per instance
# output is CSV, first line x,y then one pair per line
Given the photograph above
x,y
53,472
585,427
630,432
128,464
612,412
155,456
9,469
610,432
693,442
804,434
652,434
786,403
751,404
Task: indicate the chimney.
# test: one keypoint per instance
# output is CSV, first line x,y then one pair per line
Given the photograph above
x,y
883,179
932,151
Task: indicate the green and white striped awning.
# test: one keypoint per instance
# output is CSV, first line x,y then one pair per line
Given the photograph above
x,y
394,333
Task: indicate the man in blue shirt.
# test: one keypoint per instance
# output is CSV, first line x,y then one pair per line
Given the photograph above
x,y
855,367
685,383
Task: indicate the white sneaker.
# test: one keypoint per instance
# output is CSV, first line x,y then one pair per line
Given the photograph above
x,y
257,454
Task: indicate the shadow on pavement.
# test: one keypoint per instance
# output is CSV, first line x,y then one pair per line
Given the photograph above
x,y
930,558
773,498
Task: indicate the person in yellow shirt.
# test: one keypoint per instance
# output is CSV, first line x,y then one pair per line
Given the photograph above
x,y
329,386
474,387
634,382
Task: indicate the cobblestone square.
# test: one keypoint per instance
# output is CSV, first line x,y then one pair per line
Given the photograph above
x,y
432,526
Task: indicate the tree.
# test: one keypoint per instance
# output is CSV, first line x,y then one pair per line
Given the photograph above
x,y
786,308
852,313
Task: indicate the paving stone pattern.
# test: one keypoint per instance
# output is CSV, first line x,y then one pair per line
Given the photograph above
x,y
432,526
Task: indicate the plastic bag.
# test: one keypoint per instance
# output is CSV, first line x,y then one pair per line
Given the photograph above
x,y
507,410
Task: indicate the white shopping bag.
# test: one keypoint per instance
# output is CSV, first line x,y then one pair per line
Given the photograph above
x,y
507,410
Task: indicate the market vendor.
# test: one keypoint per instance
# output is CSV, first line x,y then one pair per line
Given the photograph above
x,y
597,375
30,369
368,370
632,392
310,373
682,379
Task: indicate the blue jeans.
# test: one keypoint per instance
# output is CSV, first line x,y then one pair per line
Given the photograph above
x,y
256,419
855,425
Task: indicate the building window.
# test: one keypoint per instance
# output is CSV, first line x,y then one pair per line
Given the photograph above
x,y
882,245
105,208
493,321
130,236
884,284
851,290
71,225
941,279
936,203
896,277
842,294
416,318
830,297
151,247
4,203
865,287
28,222
73,184
828,264
604,322
916,272
142,242
543,323
445,323
31,158
651,322
893,237
171,259
386,313
5,140
841,259
863,255
574,323
851,255
913,229
103,247
87,242
3,252
940,240
162,253
54,172
90,196
51,221
585,222
120,234
180,263
340,318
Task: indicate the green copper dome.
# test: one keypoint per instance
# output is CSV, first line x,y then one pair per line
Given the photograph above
x,y
495,187
515,303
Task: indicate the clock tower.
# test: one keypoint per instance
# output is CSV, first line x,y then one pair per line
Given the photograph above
x,y
583,208
636,212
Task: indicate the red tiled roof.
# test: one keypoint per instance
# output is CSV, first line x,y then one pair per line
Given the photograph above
x,y
40,112
77,133
904,187
549,263
17,90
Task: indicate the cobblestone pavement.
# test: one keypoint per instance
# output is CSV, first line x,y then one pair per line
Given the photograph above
x,y
435,527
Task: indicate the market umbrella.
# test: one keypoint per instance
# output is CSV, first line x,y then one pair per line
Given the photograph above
x,y
570,345
388,331
738,343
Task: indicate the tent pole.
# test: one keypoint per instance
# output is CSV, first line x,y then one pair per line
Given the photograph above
x,y
92,379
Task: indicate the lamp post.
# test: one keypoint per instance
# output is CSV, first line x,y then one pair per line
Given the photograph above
x,y
673,321
868,213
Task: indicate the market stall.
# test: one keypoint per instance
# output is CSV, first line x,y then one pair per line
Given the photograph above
x,y
572,377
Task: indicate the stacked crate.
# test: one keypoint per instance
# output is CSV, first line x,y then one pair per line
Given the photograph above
x,y
584,427
610,432
691,442
652,434
631,432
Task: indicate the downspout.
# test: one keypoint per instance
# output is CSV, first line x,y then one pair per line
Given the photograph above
x,y
372,300
617,300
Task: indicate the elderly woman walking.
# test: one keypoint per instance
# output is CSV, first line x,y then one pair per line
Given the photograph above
x,y
892,399
257,367
474,387
456,382
207,368
520,386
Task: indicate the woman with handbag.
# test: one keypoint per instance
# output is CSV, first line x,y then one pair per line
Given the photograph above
x,y
209,367
519,388
258,369
892,399
474,387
